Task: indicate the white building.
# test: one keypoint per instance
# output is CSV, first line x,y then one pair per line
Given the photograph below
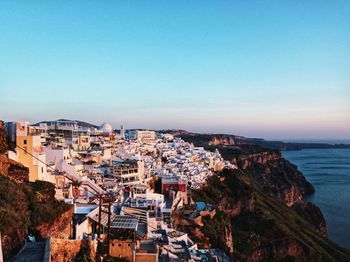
x,y
143,136
106,128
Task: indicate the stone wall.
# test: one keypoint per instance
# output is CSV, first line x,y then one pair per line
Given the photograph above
x,y
13,169
145,257
61,227
121,248
65,250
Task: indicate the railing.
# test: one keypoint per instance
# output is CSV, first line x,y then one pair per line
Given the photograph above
x,y
47,252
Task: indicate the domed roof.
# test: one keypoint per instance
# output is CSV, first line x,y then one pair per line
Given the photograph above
x,y
106,127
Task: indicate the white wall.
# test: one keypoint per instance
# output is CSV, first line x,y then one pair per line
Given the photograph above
x,y
57,155
81,229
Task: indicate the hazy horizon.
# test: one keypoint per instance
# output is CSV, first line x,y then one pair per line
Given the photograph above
x,y
274,70
251,135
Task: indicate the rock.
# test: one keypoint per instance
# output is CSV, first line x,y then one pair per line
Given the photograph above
x,y
60,228
263,228
276,174
221,140
3,143
13,169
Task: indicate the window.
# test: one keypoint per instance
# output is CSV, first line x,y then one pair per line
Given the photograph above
x,y
42,170
25,141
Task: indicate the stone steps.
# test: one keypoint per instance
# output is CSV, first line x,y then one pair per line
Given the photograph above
x,y
32,252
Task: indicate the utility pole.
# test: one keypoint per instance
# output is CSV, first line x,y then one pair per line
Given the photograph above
x,y
105,199
134,248
109,231
1,257
99,217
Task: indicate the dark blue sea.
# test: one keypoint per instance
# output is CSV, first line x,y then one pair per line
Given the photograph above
x,y
329,171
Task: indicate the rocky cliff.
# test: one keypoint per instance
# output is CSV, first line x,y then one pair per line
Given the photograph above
x,y
3,144
269,169
60,228
240,140
276,175
264,200
221,140
13,169
262,227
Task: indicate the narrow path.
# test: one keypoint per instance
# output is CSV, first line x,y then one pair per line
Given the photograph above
x,y
32,252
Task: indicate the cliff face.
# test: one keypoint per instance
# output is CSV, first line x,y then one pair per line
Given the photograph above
x,y
264,201
269,169
280,178
312,214
214,232
240,140
217,230
3,144
13,169
248,160
276,175
221,140
60,228
262,227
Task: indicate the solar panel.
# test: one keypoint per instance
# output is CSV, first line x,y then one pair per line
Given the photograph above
x,y
124,222
117,221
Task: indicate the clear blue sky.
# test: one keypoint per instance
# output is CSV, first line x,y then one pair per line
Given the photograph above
x,y
273,69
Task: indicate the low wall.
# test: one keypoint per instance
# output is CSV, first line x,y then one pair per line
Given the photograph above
x,y
47,253
60,228
64,250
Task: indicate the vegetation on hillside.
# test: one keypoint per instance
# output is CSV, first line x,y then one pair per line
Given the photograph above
x,y
24,207
265,229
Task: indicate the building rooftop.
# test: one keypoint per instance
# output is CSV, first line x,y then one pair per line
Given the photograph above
x,y
117,221
148,246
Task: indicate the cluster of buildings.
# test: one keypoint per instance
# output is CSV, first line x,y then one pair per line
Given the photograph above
x,y
125,185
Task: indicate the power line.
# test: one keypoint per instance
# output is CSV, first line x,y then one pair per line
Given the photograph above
x,y
47,165
98,195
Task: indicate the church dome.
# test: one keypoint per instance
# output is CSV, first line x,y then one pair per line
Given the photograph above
x,y
106,128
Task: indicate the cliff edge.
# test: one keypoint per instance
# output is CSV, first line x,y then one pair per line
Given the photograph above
x,y
262,205
262,227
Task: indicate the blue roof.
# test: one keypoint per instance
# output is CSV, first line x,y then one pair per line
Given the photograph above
x,y
200,206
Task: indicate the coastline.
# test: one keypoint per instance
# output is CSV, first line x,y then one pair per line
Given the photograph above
x,y
328,171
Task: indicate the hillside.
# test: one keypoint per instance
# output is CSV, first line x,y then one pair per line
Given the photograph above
x,y
212,139
262,227
78,122
262,214
24,207
266,166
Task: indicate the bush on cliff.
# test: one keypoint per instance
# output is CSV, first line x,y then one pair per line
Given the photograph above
x,y
14,212
23,207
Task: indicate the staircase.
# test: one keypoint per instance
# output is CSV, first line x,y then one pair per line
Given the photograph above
x,y
32,252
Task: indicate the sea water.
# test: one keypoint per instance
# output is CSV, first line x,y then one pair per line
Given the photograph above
x,y
329,171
